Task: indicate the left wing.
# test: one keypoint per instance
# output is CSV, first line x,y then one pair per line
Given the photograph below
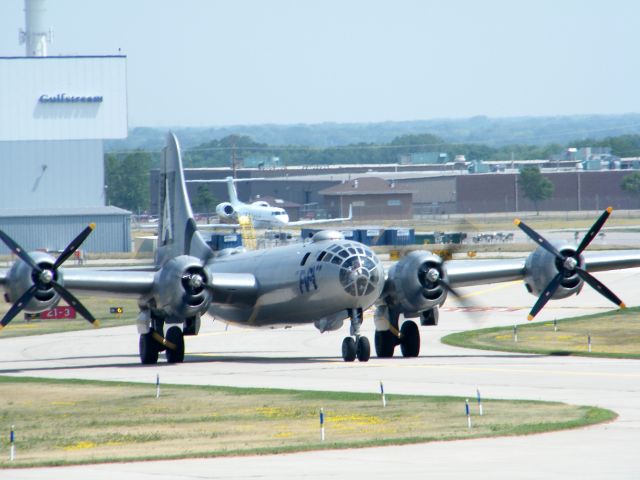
x,y
324,220
419,283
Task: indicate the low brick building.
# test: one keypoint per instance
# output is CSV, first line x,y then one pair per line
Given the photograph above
x,y
370,197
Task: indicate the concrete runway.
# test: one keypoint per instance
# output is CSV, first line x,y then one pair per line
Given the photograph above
x,y
302,358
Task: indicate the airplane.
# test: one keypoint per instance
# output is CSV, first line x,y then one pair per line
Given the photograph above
x,y
261,213
324,281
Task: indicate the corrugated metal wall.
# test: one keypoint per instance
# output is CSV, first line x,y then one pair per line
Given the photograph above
x,y
112,233
51,174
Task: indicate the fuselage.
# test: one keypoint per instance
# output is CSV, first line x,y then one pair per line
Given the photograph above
x,y
263,216
302,283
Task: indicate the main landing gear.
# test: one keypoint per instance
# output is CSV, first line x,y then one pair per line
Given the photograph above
x,y
386,339
358,347
154,342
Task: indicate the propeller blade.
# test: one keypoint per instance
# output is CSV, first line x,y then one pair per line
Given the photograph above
x,y
539,239
449,288
17,249
75,303
17,307
593,231
545,296
73,246
600,287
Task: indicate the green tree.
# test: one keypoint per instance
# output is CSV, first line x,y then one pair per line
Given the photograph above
x,y
631,184
204,202
127,180
534,186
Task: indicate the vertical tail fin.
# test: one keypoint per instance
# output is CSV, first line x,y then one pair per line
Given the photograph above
x,y
177,231
231,188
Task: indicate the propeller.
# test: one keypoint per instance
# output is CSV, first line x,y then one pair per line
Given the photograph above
x,y
46,277
431,276
569,264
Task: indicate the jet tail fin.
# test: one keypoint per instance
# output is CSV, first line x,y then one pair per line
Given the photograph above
x,y
231,188
177,231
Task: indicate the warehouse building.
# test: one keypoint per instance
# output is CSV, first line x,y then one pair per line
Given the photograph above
x,y
56,112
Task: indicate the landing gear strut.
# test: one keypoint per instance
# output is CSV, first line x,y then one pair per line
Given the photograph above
x,y
154,342
359,347
386,339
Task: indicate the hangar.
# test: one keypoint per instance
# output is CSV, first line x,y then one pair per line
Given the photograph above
x,y
56,112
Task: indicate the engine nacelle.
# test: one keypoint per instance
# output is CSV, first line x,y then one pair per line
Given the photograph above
x,y
179,291
260,203
542,266
225,210
21,277
412,285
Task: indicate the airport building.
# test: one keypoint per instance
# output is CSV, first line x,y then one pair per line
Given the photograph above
x,y
56,112
386,191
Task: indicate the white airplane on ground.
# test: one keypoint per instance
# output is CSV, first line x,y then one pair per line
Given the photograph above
x,y
261,213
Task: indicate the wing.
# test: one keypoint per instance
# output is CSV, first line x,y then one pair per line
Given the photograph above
x,y
324,220
463,273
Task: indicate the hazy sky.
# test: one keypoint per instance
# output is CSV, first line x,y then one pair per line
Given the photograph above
x,y
212,62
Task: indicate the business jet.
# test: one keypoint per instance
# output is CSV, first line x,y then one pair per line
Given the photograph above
x,y
261,213
326,281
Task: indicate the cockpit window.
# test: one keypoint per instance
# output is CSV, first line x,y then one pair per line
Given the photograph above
x,y
359,268
304,259
321,256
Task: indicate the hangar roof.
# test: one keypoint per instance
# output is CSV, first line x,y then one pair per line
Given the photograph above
x,y
62,212
367,186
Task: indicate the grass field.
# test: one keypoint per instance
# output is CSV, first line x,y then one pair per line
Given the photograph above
x,y
71,422
613,334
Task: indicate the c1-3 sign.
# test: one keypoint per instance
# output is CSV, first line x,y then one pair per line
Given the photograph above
x,y
56,313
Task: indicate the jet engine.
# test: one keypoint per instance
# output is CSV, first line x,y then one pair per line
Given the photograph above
x,y
543,266
181,289
22,277
225,209
417,282
260,203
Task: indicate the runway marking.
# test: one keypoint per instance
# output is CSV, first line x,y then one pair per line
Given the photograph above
x,y
492,289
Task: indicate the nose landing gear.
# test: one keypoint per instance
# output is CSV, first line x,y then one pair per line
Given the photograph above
x,y
356,346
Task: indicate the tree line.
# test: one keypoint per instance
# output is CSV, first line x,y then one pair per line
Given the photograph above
x,y
217,153
127,174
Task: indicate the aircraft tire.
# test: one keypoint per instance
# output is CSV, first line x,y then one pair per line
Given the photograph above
x,y
363,349
148,347
410,339
175,336
385,343
348,349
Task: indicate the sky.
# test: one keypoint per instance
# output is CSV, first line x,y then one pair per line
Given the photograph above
x,y
217,63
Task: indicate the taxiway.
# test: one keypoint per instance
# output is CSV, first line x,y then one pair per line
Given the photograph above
x,y
304,359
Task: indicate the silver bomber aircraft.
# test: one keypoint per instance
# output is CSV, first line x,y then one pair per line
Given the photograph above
x,y
324,281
